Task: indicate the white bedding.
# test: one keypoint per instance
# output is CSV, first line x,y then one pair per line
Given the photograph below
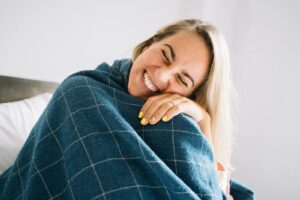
x,y
16,121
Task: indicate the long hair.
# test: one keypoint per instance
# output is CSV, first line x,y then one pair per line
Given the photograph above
x,y
216,93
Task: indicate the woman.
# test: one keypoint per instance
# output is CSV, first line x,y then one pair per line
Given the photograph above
x,y
184,68
88,143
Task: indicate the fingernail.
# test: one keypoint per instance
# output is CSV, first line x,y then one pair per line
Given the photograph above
x,y
165,118
144,121
152,120
141,114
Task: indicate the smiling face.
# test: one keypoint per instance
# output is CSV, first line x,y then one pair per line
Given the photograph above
x,y
176,64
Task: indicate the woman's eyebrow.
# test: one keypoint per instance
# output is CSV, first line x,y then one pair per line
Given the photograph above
x,y
171,50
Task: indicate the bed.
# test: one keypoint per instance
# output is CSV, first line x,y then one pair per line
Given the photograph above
x,y
13,88
21,103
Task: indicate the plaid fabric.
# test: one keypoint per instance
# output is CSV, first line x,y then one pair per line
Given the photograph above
x,y
240,191
89,144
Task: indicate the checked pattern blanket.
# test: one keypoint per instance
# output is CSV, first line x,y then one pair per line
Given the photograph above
x,y
89,144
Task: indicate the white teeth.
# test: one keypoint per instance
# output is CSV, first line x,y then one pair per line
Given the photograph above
x,y
148,83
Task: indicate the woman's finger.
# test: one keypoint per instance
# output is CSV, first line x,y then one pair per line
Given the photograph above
x,y
177,109
149,102
161,112
152,105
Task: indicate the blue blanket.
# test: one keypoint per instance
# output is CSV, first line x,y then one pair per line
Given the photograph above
x,y
89,144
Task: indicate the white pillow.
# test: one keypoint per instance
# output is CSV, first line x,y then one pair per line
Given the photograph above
x,y
16,121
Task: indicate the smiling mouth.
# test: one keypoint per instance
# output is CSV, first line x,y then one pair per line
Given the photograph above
x,y
149,85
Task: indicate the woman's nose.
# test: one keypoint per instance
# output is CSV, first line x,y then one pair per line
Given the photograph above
x,y
163,76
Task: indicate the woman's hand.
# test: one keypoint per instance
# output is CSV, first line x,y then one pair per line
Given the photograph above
x,y
166,106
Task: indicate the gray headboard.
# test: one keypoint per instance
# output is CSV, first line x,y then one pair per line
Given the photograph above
x,y
13,89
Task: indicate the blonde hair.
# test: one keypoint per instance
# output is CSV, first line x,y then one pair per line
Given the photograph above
x,y
216,93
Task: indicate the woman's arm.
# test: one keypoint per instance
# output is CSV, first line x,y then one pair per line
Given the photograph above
x,y
166,106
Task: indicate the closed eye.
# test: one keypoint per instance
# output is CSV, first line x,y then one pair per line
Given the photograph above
x,y
165,57
182,81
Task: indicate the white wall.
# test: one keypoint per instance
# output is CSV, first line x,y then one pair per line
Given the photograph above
x,y
264,41
49,40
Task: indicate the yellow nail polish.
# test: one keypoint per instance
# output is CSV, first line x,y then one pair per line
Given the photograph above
x,y
152,120
144,121
141,114
165,119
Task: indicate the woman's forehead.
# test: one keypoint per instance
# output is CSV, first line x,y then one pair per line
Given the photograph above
x,y
187,43
183,36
